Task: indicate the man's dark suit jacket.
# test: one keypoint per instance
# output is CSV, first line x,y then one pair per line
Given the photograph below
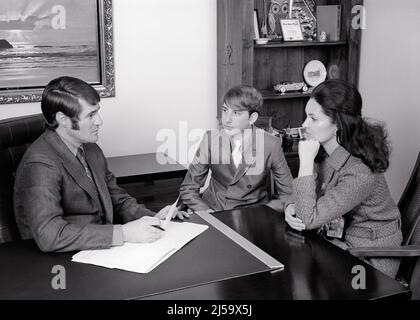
x,y
58,205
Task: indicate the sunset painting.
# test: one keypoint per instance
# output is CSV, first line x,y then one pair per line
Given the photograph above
x,y
43,39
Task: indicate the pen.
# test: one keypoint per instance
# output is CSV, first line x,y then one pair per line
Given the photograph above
x,y
170,212
158,227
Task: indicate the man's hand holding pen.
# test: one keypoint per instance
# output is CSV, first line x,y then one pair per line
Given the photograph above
x,y
142,230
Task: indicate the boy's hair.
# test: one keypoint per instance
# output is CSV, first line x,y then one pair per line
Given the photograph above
x,y
244,97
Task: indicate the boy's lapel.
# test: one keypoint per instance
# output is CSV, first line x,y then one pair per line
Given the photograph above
x,y
248,157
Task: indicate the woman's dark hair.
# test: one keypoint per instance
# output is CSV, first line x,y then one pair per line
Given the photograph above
x,y
245,97
64,94
342,102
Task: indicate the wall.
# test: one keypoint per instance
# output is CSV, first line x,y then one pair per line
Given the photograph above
x,y
389,80
165,66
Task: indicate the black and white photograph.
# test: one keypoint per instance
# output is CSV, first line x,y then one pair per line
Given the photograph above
x,y
204,159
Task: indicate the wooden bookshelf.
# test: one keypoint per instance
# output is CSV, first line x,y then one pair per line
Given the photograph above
x,y
281,44
240,60
272,95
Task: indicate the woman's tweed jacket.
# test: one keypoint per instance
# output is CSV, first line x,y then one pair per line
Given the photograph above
x,y
344,186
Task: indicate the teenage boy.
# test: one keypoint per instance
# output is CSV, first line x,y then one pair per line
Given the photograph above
x,y
240,157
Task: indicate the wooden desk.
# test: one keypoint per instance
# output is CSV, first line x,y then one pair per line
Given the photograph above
x,y
143,167
314,269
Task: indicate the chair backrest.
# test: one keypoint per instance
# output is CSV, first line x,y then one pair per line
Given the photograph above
x,y
16,134
409,206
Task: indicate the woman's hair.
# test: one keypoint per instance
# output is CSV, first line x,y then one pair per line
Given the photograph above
x,y
244,96
342,102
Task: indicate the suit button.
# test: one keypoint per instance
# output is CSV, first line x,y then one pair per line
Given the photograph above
x,y
249,186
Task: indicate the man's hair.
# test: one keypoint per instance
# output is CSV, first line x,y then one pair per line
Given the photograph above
x,y
63,94
244,97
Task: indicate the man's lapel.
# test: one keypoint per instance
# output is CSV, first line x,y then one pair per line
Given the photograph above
x,y
101,185
71,163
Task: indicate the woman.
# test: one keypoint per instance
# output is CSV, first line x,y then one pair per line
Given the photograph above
x,y
345,196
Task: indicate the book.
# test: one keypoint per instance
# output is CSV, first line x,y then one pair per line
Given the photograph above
x,y
143,257
329,21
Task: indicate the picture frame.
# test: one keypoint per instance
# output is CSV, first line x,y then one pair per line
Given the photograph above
x,y
291,30
59,38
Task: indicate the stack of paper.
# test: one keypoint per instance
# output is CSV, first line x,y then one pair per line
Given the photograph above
x,y
143,257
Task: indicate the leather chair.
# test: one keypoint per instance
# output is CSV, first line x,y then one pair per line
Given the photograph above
x,y
409,251
16,134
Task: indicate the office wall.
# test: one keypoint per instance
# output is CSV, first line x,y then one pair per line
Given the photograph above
x,y
165,66
389,80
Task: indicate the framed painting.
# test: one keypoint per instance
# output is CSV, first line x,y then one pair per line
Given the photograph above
x,y
44,39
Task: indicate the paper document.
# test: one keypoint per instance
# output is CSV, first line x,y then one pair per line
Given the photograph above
x,y
143,257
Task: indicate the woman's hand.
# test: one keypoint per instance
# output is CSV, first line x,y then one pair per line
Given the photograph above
x,y
308,149
292,221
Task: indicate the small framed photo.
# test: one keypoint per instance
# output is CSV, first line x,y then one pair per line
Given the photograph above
x,y
291,30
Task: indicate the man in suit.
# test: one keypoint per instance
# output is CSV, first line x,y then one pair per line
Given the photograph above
x,y
65,197
240,158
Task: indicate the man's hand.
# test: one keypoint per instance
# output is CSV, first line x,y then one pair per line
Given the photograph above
x,y
177,213
142,230
294,223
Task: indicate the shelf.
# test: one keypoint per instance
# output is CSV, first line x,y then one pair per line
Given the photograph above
x,y
281,44
265,65
271,95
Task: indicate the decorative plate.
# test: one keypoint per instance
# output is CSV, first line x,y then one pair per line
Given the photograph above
x,y
314,73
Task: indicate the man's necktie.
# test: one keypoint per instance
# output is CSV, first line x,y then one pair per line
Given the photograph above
x,y
237,153
81,156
